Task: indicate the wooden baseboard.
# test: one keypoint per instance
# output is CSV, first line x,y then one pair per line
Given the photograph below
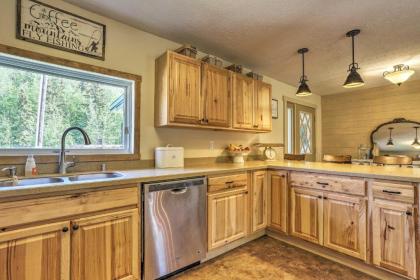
x,y
222,250
336,257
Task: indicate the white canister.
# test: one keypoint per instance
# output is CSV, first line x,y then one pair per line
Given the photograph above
x,y
169,157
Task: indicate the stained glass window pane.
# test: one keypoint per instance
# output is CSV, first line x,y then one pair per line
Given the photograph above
x,y
305,132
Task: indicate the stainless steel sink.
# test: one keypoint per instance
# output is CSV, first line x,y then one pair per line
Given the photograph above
x,y
55,180
31,181
94,176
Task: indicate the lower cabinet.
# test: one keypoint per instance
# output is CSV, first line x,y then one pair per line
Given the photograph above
x,y
104,247
227,217
345,227
259,197
394,237
336,221
278,194
306,214
38,252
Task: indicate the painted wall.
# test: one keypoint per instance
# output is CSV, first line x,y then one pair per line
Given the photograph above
x,y
134,51
349,118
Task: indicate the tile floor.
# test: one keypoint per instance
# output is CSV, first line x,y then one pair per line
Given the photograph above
x,y
267,258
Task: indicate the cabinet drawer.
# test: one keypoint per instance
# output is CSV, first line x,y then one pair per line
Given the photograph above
x,y
391,190
231,181
332,183
40,209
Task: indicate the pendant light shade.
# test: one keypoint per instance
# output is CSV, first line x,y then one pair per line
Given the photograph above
x,y
400,74
353,79
416,143
303,89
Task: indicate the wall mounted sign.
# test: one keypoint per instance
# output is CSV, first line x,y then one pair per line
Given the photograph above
x,y
49,26
274,108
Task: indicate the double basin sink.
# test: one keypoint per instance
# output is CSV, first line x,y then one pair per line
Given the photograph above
x,y
57,180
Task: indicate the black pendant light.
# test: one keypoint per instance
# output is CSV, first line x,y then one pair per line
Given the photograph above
x,y
416,143
353,79
303,89
390,141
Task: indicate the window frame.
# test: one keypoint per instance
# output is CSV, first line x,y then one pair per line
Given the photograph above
x,y
90,73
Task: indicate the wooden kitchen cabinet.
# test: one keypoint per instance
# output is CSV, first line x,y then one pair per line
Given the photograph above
x,y
259,197
178,82
262,106
243,102
215,96
393,235
94,240
306,214
345,227
184,89
191,93
227,217
278,200
36,252
106,247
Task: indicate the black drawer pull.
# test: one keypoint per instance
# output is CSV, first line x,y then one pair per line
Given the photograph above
x,y
321,183
408,213
391,192
390,227
230,182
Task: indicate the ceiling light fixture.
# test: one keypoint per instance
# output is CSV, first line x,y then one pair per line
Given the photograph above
x,y
416,143
400,74
303,89
353,79
390,141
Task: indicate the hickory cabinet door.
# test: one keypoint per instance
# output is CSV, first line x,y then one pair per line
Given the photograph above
x,y
184,92
36,253
106,247
306,215
259,200
393,237
278,200
227,218
243,102
215,93
345,224
262,115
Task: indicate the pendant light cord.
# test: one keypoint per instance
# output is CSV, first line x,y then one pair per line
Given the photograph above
x,y
303,66
352,47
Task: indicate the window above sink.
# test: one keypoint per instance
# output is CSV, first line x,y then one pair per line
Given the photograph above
x,y
43,95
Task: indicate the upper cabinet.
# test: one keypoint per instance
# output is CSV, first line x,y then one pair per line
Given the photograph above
x,y
177,89
215,96
191,93
262,106
243,102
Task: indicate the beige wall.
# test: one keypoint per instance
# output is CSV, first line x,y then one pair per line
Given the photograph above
x,y
349,118
134,51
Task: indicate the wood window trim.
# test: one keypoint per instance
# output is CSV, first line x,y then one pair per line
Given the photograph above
x,y
91,68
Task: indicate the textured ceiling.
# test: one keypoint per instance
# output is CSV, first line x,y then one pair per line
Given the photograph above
x,y
264,35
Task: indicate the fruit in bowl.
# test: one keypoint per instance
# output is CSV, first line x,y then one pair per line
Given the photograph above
x,y
237,152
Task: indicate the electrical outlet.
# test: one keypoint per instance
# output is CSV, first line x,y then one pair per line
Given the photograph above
x,y
211,145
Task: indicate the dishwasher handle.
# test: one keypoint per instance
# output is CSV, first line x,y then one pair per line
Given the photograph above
x,y
179,190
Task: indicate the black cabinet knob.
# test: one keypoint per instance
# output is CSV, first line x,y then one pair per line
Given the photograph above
x,y
75,227
65,229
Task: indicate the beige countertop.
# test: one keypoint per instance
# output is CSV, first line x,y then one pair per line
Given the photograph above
x,y
135,177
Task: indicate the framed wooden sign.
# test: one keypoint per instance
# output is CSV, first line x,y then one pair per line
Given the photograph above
x,y
49,26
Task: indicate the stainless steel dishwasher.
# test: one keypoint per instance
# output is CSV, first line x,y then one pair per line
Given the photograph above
x,y
175,225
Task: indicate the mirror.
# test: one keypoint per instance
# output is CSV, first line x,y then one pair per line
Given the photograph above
x,y
397,137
